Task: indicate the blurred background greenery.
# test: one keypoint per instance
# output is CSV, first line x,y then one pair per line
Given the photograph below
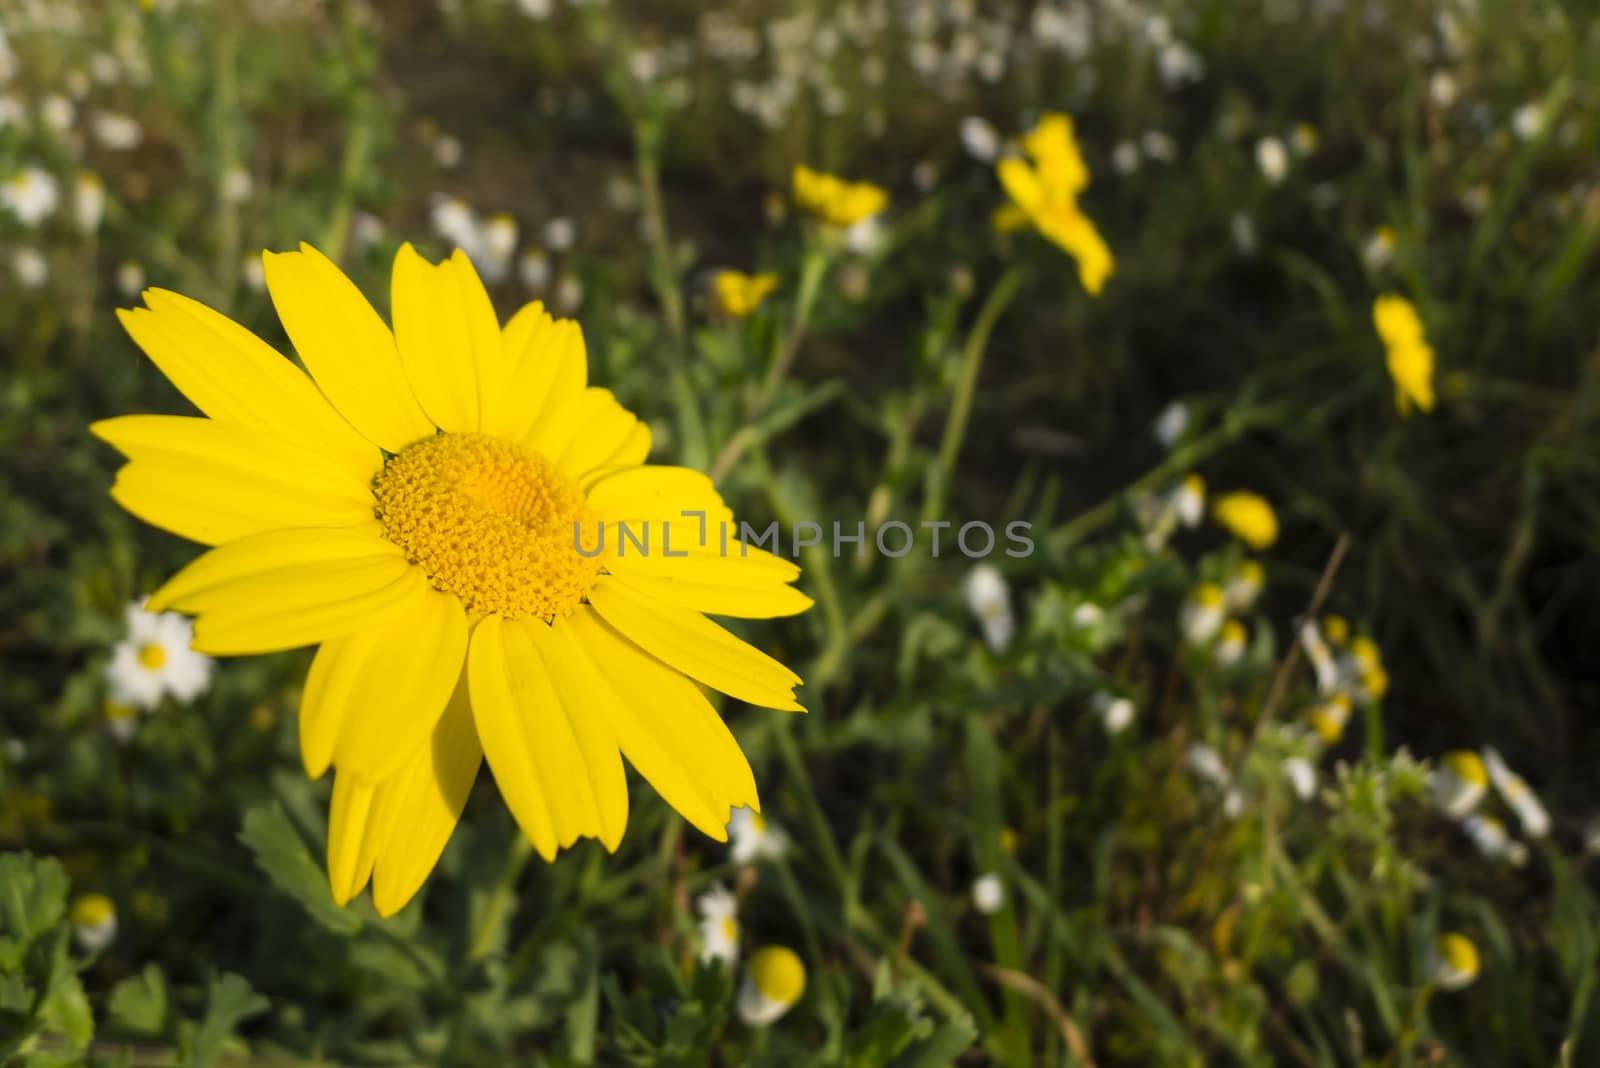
x,y
1262,170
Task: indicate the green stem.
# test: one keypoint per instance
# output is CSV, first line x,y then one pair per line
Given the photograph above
x,y
955,428
488,929
795,765
812,272
664,279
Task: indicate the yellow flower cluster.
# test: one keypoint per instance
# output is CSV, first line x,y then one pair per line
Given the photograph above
x,y
835,201
1248,516
1409,354
1045,187
738,294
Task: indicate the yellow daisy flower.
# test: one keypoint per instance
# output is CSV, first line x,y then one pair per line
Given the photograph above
x,y
94,921
1248,516
1407,352
774,980
1453,963
1046,191
834,200
738,294
413,507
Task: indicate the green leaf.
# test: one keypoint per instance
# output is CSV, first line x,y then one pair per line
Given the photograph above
x,y
33,895
139,1003
282,854
954,1037
229,1002
66,1010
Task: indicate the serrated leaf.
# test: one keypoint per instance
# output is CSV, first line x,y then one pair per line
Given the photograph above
x,y
139,1003
282,854
953,1038
229,1002
33,895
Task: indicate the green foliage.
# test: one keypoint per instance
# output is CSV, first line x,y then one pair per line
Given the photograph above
x,y
1220,880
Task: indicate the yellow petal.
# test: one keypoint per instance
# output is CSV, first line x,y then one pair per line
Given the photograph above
x,y
665,726
560,355
631,453
278,557
1021,183
528,737
337,600
657,492
694,645
212,482
729,598
373,697
351,843
543,357
576,689
448,337
424,801
346,347
602,429
235,377
682,550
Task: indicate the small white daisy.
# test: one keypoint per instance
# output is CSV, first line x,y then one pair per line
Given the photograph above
x,y
1494,841
719,925
1323,662
773,981
129,279
30,267
122,721
989,598
32,195
1231,643
1189,501
988,893
1302,777
1125,158
980,138
1378,252
1116,713
534,270
560,234
1458,783
1528,121
1159,146
237,186
569,294
155,660
1202,614
88,201
752,838
1243,585
94,922
1518,794
1171,424
1206,764
1453,961
499,243
115,131
1273,159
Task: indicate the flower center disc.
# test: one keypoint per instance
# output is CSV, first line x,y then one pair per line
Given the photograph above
x,y
490,522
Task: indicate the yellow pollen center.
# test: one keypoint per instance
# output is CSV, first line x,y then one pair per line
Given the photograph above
x,y
730,930
152,656
490,522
